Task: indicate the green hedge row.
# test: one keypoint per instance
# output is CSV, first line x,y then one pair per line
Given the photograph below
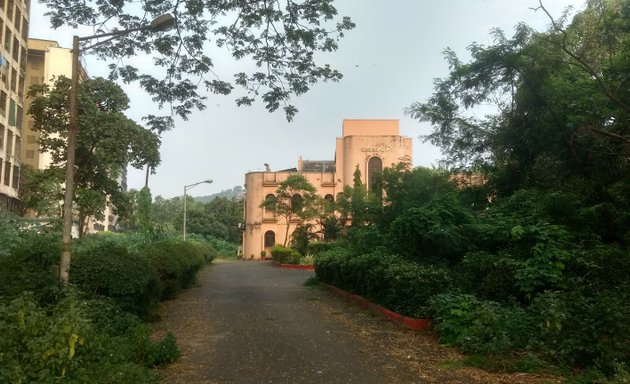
x,y
388,280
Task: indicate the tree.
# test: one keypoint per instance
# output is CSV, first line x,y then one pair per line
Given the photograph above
x,y
40,191
281,38
560,116
295,198
107,142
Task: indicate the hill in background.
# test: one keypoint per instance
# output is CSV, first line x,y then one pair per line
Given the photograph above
x,y
234,193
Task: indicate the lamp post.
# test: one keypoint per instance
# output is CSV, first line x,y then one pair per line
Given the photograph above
x,y
161,23
186,188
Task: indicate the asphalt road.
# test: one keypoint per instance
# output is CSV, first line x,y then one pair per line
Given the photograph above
x,y
249,322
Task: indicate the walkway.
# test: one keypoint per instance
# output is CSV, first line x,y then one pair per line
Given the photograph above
x,y
248,322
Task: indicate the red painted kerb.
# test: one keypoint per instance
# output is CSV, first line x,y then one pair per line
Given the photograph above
x,y
294,266
409,322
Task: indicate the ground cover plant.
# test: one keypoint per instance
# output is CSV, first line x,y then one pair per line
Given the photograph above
x,y
91,330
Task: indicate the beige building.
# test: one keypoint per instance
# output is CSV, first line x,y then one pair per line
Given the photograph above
x,y
369,144
14,16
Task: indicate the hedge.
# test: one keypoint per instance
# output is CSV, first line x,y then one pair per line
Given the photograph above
x,y
388,280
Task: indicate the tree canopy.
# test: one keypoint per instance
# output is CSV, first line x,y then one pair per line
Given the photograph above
x,y
281,39
107,141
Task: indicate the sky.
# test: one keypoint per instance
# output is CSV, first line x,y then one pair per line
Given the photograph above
x,y
389,61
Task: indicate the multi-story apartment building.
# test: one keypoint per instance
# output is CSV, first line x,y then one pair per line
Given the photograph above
x,y
14,16
369,145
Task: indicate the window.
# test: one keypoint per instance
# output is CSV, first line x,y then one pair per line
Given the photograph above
x,y
1,137
11,112
30,154
297,203
17,20
18,118
9,10
7,39
13,79
270,239
330,198
35,79
24,28
3,103
30,139
16,49
7,173
9,151
18,147
16,176
375,169
20,86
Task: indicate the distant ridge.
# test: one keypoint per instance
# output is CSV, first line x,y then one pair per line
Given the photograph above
x,y
234,193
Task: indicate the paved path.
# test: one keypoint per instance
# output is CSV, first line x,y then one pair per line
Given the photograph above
x,y
248,322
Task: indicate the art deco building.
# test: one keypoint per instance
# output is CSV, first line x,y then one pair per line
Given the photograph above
x,y
13,37
369,145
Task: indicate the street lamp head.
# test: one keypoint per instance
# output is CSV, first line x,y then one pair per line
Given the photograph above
x,y
162,23
209,181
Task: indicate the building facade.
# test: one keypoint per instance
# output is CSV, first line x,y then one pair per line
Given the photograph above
x,y
14,16
370,145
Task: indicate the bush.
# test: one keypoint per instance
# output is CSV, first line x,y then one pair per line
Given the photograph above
x,y
388,280
32,266
109,269
285,255
177,263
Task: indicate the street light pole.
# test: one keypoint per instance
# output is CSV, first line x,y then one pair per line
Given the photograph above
x,y
186,188
161,23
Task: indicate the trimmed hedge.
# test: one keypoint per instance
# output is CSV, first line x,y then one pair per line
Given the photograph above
x,y
285,255
176,262
109,269
388,280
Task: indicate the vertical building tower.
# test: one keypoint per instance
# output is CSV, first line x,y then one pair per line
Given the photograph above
x,y
13,51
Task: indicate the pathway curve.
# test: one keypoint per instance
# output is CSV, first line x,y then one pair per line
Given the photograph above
x,y
248,322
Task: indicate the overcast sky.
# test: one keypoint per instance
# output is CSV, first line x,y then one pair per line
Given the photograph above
x,y
388,61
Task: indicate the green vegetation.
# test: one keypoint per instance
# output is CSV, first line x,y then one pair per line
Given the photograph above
x,y
521,252
92,330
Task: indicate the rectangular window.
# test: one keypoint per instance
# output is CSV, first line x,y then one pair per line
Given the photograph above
x,y
1,137
9,10
13,79
7,39
34,79
23,52
30,154
3,103
30,139
2,4
16,177
16,49
18,147
17,21
11,113
18,118
20,87
9,150
7,173
24,28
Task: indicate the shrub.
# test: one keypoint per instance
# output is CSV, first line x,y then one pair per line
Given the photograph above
x,y
32,266
110,270
479,326
388,280
177,263
285,255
